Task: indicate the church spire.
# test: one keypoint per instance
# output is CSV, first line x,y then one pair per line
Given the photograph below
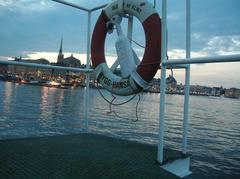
x,y
60,50
60,55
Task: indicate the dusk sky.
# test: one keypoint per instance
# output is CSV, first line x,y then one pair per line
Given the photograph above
x,y
33,29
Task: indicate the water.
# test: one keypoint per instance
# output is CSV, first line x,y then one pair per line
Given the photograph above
x,y
214,135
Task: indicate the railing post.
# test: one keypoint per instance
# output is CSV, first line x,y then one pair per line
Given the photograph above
x,y
86,99
130,28
187,77
163,83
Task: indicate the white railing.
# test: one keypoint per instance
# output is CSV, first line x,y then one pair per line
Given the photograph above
x,y
35,65
209,59
174,63
180,168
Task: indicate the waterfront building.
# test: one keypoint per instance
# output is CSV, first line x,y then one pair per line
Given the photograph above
x,y
155,85
232,93
171,84
200,90
24,70
69,61
3,69
216,91
208,90
33,72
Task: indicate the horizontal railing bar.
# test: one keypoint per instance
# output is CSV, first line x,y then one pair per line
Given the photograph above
x,y
175,63
80,7
72,5
177,66
213,59
34,65
5,62
99,7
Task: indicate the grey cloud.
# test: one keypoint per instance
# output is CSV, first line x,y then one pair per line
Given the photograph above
x,y
223,45
26,5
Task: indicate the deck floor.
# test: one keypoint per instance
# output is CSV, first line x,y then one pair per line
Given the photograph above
x,y
79,156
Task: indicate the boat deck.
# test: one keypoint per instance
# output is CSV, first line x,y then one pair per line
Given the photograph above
x,y
80,156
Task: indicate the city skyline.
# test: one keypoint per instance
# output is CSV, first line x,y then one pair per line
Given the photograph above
x,y
33,29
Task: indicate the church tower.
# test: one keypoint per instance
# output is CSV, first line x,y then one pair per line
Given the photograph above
x,y
60,55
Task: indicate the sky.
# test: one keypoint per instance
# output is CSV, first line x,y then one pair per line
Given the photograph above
x,y
34,28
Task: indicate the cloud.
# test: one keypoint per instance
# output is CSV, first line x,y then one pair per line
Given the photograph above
x,y
223,45
89,4
174,16
25,5
197,35
180,54
214,46
5,58
52,56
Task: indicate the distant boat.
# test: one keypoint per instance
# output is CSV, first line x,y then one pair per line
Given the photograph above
x,y
63,87
52,84
67,83
29,82
10,77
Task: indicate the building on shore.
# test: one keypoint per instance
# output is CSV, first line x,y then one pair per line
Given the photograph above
x,y
171,84
216,91
29,71
47,73
154,86
67,62
232,93
3,69
200,90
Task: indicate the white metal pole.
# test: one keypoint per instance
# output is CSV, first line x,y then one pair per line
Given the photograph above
x,y
72,5
209,59
35,65
187,77
163,82
130,27
86,99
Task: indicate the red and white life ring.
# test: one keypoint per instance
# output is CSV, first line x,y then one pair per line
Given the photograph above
x,y
149,65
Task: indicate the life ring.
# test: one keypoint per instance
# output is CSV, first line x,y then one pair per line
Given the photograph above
x,y
150,63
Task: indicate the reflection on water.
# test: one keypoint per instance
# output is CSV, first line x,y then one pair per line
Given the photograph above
x,y
43,104
8,92
214,135
51,103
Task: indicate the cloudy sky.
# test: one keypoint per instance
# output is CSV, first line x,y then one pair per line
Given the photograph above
x,y
33,29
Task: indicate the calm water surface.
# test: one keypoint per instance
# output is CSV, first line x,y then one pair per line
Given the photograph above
x,y
214,134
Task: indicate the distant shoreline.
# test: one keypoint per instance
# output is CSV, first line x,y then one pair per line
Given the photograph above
x,y
92,86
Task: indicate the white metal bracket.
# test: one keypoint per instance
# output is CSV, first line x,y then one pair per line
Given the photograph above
x,y
179,167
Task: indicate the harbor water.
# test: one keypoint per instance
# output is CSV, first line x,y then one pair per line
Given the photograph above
x,y
214,122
